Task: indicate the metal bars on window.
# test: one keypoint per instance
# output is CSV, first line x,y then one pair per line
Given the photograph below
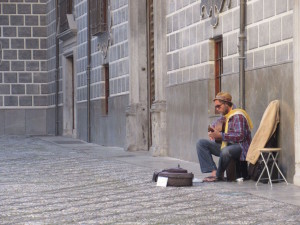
x,y
218,63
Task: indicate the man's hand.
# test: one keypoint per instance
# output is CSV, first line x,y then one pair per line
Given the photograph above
x,y
215,135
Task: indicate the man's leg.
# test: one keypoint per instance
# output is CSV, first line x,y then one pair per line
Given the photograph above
x,y
205,150
228,153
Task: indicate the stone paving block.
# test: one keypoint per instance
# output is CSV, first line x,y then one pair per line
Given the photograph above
x,y
55,180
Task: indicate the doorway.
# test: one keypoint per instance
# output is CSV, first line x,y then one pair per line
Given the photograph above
x,y
69,98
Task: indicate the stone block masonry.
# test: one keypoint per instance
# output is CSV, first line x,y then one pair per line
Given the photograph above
x,y
23,54
270,32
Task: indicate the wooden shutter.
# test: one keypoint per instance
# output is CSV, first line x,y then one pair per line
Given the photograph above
x,y
98,16
65,7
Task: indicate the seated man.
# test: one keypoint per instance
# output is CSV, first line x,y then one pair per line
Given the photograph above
x,y
230,140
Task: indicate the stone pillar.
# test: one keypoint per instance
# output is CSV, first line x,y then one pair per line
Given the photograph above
x,y
158,109
296,82
137,111
159,136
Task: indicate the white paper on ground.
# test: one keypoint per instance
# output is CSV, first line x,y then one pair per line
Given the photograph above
x,y
162,181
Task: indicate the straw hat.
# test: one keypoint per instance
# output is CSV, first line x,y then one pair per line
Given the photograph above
x,y
223,96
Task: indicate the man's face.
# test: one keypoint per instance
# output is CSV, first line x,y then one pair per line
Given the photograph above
x,y
221,107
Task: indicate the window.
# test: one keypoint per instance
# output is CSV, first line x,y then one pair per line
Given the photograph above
x,y
65,7
98,16
218,63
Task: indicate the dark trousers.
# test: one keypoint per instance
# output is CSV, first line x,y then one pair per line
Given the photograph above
x,y
207,148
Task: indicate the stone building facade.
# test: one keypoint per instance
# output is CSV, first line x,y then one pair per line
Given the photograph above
x,y
23,70
143,75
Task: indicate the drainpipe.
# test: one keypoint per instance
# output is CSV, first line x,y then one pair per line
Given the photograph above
x,y
88,73
242,38
57,69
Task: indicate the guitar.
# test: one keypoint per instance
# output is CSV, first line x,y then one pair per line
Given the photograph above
x,y
219,126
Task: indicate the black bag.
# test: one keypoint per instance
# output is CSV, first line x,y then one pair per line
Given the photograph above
x,y
255,170
177,177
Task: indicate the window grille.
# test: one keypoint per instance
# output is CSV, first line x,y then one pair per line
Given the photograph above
x,y
218,63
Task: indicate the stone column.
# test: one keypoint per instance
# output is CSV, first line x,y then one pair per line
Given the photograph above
x,y
136,113
296,82
158,109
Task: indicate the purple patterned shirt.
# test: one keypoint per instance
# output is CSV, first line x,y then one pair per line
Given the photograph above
x,y
238,132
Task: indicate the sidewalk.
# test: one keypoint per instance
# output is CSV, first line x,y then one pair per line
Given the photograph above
x,y
59,180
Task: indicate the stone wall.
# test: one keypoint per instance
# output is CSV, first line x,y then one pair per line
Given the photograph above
x,y
24,75
269,32
108,48
24,48
269,73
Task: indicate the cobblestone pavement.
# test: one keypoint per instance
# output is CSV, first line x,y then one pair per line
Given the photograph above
x,y
73,182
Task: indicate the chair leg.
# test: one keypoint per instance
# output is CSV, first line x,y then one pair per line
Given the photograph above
x,y
274,162
266,167
270,172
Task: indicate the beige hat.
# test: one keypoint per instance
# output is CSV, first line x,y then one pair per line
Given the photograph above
x,y
223,96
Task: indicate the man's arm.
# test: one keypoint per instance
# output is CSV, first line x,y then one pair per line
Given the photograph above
x,y
237,126
215,129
